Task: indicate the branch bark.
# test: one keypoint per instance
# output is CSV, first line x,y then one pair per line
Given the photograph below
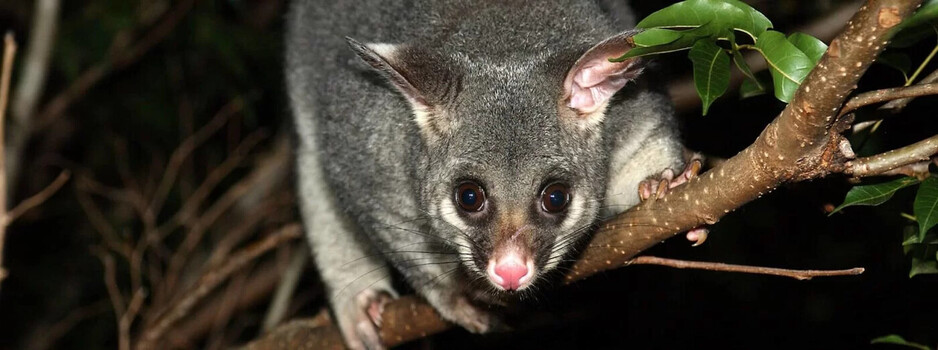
x,y
919,152
802,143
897,106
892,94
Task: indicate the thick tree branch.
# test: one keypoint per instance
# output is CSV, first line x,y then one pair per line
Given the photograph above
x,y
802,143
880,164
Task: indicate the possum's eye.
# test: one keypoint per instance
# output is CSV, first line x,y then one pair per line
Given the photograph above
x,y
555,198
470,196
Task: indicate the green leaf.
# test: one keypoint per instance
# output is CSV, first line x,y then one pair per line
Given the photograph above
x,y
925,206
788,64
897,340
874,194
656,36
923,267
648,45
813,47
896,60
759,86
724,14
711,71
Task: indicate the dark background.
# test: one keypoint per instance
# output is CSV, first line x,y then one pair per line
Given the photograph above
x,y
128,124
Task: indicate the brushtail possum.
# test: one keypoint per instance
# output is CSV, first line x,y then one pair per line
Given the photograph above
x,y
464,145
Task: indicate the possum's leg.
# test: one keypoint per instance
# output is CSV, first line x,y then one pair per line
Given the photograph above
x,y
656,187
356,277
630,168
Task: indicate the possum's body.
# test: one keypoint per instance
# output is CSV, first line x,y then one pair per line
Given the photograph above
x,y
378,156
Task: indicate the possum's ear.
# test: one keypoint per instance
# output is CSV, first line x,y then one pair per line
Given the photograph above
x,y
421,77
593,79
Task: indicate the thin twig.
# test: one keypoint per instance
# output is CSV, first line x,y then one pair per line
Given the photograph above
x,y
110,281
713,266
199,226
9,52
236,158
873,97
897,106
882,163
109,235
186,148
46,337
37,199
127,319
257,291
211,280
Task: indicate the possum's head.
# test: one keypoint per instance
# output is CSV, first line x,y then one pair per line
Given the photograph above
x,y
516,168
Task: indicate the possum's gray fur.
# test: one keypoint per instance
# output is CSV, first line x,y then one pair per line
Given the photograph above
x,y
441,92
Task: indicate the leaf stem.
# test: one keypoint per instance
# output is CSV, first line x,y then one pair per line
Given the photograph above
x,y
922,66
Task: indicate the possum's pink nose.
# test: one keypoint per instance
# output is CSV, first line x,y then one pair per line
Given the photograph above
x,y
510,272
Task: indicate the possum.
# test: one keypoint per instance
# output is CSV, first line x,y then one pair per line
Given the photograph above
x,y
464,146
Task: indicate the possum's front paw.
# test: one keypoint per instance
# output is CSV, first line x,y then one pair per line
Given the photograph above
x,y
656,187
360,319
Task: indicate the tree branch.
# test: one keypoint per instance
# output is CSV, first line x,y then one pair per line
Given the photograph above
x,y
880,164
873,97
9,52
713,266
32,80
211,280
36,199
897,106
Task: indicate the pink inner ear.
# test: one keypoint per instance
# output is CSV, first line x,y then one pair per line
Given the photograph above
x,y
594,82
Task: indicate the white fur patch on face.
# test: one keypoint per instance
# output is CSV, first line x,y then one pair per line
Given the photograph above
x,y
448,212
574,214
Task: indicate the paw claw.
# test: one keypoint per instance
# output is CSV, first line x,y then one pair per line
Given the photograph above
x,y
376,307
663,188
698,236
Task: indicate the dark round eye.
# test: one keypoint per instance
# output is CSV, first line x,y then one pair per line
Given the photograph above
x,y
555,198
470,196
